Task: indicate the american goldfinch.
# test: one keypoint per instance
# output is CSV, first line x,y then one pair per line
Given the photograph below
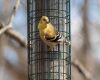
x,y
49,35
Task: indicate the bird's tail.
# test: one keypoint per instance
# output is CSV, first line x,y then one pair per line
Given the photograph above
x,y
67,42
64,40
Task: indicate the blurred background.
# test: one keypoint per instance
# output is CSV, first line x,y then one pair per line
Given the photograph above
x,y
85,36
85,33
13,56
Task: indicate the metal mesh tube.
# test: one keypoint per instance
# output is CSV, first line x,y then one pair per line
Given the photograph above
x,y
42,63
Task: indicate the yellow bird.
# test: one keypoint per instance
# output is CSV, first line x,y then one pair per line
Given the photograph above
x,y
49,35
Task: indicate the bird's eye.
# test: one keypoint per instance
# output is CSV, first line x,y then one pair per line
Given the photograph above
x,y
44,19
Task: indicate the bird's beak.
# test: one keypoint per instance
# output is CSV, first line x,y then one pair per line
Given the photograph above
x,y
48,22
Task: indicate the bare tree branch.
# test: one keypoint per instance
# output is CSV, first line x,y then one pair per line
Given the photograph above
x,y
82,70
16,36
3,29
85,32
13,34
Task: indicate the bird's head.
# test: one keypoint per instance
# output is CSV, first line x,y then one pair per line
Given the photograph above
x,y
44,20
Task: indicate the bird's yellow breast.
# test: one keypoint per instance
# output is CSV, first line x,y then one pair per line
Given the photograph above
x,y
47,31
50,30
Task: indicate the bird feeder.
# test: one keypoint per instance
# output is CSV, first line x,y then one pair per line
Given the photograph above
x,y
44,64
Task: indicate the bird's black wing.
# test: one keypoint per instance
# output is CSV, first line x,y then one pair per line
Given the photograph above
x,y
55,38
